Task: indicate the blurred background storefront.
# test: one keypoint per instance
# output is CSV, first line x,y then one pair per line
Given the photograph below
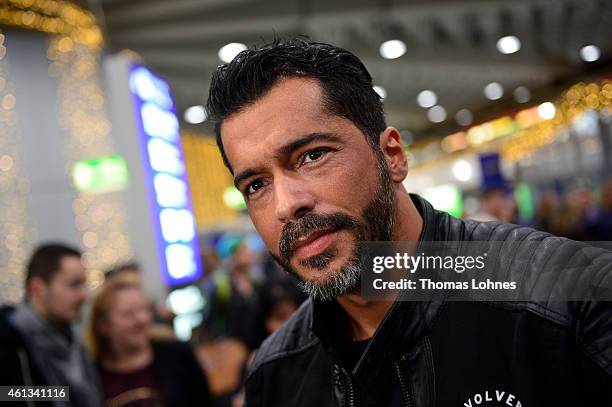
x,y
505,109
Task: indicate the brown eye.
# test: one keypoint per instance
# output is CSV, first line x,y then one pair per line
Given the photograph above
x,y
254,187
314,155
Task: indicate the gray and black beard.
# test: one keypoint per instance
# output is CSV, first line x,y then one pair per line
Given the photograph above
x,y
376,224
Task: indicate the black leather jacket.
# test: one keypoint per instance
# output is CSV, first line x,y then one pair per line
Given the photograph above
x,y
446,353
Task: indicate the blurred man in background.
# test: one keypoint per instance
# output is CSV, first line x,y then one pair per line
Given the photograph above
x,y
38,345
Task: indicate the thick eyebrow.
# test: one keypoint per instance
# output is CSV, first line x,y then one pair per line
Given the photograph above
x,y
249,172
286,150
303,140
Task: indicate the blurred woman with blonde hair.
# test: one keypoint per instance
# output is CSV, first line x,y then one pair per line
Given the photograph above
x,y
136,370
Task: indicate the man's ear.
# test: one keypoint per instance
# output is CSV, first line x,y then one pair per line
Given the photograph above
x,y
37,288
393,150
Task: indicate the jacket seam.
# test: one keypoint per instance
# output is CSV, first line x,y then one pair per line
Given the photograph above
x,y
588,349
593,354
281,355
532,307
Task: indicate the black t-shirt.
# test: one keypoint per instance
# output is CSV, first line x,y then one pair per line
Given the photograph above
x,y
350,354
135,389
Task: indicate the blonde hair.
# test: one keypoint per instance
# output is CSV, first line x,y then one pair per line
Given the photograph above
x,y
103,298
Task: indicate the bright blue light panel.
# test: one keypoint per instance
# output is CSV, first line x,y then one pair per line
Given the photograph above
x,y
166,179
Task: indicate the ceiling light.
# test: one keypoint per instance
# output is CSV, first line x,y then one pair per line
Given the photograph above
x,y
546,110
464,117
508,44
381,91
229,51
392,49
195,114
522,94
436,114
427,98
590,53
493,91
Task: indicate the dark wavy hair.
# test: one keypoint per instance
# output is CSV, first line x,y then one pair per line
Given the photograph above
x,y
346,83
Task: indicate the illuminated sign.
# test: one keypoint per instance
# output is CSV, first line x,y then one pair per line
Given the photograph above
x,y
165,176
186,304
100,175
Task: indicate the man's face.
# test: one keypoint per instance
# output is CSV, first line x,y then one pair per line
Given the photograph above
x,y
65,293
314,187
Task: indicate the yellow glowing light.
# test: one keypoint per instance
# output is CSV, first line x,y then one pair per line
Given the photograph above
x,y
59,17
82,116
476,135
454,142
528,131
8,102
90,239
6,163
15,228
65,44
527,118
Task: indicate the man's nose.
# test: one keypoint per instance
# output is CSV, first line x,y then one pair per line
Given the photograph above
x,y
293,200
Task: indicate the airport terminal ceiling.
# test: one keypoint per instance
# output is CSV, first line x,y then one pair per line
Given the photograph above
x,y
451,46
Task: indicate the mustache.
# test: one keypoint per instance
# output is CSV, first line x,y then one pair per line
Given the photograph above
x,y
309,223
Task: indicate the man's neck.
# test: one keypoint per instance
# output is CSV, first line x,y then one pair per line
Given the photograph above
x,y
364,315
62,327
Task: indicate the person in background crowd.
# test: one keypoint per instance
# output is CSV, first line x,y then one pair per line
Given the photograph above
x,y
162,316
281,298
601,227
234,305
545,212
496,204
38,345
571,220
123,269
136,370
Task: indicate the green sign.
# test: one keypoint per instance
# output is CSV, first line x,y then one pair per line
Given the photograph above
x,y
101,174
233,198
447,198
524,201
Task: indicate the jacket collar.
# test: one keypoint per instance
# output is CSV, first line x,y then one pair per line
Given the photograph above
x,y
403,326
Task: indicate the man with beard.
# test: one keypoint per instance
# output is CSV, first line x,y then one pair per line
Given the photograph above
x,y
303,133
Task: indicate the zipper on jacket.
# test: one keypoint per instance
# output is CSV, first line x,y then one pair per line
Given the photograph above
x,y
350,400
25,371
403,384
